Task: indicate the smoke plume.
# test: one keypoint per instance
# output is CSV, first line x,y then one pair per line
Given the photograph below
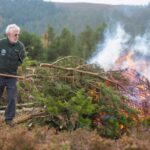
x,y
119,51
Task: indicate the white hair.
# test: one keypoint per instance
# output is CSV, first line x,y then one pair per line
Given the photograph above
x,y
11,27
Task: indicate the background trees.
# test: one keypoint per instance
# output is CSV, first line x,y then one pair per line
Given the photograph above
x,y
50,45
33,45
36,15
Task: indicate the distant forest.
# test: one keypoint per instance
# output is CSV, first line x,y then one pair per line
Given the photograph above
x,y
54,30
36,15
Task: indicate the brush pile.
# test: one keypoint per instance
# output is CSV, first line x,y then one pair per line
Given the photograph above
x,y
73,94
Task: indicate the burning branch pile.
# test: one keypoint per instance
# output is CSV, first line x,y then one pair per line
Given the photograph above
x,y
138,91
78,95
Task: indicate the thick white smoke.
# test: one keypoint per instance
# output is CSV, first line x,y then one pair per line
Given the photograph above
x,y
110,50
117,43
142,45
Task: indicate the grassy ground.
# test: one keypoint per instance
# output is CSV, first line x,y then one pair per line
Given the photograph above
x,y
25,137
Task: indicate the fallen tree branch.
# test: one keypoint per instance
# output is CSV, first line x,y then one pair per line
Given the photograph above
x,y
19,105
27,117
66,58
81,71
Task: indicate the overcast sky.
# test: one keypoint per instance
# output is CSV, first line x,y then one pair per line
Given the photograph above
x,y
113,2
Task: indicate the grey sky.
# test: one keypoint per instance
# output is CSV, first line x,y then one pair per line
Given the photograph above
x,y
113,2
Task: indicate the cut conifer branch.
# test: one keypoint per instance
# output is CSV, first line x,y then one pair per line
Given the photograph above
x,y
94,74
27,117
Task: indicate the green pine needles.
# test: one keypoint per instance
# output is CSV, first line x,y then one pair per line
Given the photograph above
x,y
74,100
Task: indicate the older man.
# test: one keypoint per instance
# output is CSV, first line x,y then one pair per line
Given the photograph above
x,y
12,53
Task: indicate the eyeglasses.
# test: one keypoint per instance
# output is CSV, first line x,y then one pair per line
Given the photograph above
x,y
16,35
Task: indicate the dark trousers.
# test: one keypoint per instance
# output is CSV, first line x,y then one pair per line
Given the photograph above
x,y
10,84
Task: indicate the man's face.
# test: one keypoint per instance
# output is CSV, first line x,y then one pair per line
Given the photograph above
x,y
13,35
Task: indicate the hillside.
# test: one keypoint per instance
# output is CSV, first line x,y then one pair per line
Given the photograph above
x,y
36,15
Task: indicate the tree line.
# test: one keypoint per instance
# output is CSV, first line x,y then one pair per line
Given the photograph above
x,y
36,15
49,46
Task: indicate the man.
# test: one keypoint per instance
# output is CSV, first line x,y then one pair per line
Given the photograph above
x,y
12,53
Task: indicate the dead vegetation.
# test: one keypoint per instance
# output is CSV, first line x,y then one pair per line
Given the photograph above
x,y
45,138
